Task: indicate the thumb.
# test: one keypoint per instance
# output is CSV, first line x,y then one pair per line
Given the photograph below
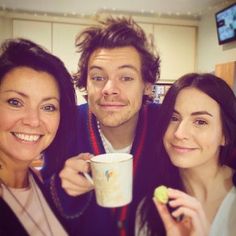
x,y
164,213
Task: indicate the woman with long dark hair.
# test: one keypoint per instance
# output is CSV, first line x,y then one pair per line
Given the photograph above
x,y
196,161
37,117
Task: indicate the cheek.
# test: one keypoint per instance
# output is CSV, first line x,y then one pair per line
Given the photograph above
x,y
7,121
165,142
212,139
136,103
53,124
168,134
93,95
135,96
212,144
94,89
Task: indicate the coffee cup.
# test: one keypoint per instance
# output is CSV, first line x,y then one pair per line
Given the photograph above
x,y
112,175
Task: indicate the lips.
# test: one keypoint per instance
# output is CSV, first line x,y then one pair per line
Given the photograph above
x,y
112,105
182,149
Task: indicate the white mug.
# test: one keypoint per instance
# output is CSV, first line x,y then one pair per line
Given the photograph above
x,y
112,175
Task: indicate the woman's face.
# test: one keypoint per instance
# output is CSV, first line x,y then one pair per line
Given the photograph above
x,y
30,113
195,132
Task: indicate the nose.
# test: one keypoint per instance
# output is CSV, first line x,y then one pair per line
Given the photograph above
x,y
31,117
182,131
110,88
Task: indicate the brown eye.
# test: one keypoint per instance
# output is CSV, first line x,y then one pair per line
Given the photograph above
x,y
200,122
174,118
98,78
126,78
49,108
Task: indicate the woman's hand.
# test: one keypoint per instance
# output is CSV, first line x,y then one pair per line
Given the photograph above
x,y
193,222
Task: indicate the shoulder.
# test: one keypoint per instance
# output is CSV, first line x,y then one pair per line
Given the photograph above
x,y
153,112
82,112
82,109
153,107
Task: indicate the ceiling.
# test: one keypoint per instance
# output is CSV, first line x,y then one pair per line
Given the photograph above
x,y
172,8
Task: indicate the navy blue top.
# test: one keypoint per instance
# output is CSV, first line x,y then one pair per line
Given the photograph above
x,y
84,217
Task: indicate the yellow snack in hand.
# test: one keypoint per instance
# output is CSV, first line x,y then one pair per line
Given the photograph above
x,y
160,194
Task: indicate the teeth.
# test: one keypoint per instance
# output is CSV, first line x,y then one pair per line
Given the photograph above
x,y
27,137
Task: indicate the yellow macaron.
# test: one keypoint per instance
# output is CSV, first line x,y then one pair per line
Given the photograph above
x,y
161,194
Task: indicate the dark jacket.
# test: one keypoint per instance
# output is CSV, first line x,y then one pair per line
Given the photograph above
x,y
84,216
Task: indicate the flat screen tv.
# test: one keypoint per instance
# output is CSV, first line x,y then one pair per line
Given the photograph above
x,y
226,24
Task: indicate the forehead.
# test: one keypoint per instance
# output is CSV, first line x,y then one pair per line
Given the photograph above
x,y
115,57
28,79
192,100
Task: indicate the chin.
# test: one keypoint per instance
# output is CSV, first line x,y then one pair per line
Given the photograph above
x,y
111,124
182,164
112,120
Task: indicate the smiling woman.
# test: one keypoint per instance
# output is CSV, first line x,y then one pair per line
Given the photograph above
x,y
197,161
35,93
30,113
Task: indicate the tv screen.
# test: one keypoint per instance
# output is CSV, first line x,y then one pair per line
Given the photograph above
x,y
226,24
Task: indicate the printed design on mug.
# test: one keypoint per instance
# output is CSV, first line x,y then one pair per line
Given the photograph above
x,y
108,174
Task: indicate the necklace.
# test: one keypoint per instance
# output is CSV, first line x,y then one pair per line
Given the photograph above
x,y
34,189
104,142
108,146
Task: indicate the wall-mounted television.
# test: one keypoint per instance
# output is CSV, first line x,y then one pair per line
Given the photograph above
x,y
226,24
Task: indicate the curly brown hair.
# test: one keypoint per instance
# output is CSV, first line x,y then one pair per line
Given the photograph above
x,y
113,33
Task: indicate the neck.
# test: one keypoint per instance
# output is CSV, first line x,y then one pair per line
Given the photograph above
x,y
203,184
120,136
14,176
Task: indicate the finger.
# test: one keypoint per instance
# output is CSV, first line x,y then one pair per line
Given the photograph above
x,y
85,156
191,219
73,178
82,185
164,214
175,193
185,200
76,165
77,191
79,181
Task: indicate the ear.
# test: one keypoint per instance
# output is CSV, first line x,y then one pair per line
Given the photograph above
x,y
148,89
223,141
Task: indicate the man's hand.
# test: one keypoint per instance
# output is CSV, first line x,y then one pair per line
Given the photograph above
x,y
73,181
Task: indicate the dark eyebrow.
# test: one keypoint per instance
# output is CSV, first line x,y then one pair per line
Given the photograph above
x,y
130,67
26,96
95,67
196,113
120,67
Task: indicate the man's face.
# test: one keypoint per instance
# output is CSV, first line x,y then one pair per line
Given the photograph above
x,y
115,86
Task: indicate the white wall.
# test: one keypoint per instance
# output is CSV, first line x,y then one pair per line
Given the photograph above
x,y
39,32
210,52
175,39
5,28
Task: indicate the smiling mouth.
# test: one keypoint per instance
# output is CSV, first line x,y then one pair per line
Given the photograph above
x,y
182,149
27,137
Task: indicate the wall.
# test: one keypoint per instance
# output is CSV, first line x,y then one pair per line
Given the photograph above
x,y
5,28
175,39
209,52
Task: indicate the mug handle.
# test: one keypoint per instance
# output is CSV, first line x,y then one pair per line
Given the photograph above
x,y
87,176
